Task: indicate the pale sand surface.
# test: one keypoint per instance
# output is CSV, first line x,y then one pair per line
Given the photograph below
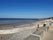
x,y
32,38
15,30
49,35
22,34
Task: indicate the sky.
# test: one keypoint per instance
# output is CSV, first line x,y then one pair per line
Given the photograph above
x,y
26,8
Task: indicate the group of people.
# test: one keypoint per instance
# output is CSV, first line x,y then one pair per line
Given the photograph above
x,y
39,26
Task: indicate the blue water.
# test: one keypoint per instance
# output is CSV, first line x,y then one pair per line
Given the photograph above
x,y
16,21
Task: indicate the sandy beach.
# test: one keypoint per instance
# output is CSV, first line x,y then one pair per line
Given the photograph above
x,y
49,35
19,32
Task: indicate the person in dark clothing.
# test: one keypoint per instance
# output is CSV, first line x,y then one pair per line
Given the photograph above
x,y
44,25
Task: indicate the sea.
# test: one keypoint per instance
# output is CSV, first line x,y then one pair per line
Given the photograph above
x,y
17,20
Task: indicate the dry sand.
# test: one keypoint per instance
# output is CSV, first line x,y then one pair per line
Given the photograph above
x,y
49,35
22,34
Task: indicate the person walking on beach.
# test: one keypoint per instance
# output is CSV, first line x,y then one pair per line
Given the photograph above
x,y
44,25
37,27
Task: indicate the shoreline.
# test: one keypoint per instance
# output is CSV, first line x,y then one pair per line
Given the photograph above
x,y
20,32
9,26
